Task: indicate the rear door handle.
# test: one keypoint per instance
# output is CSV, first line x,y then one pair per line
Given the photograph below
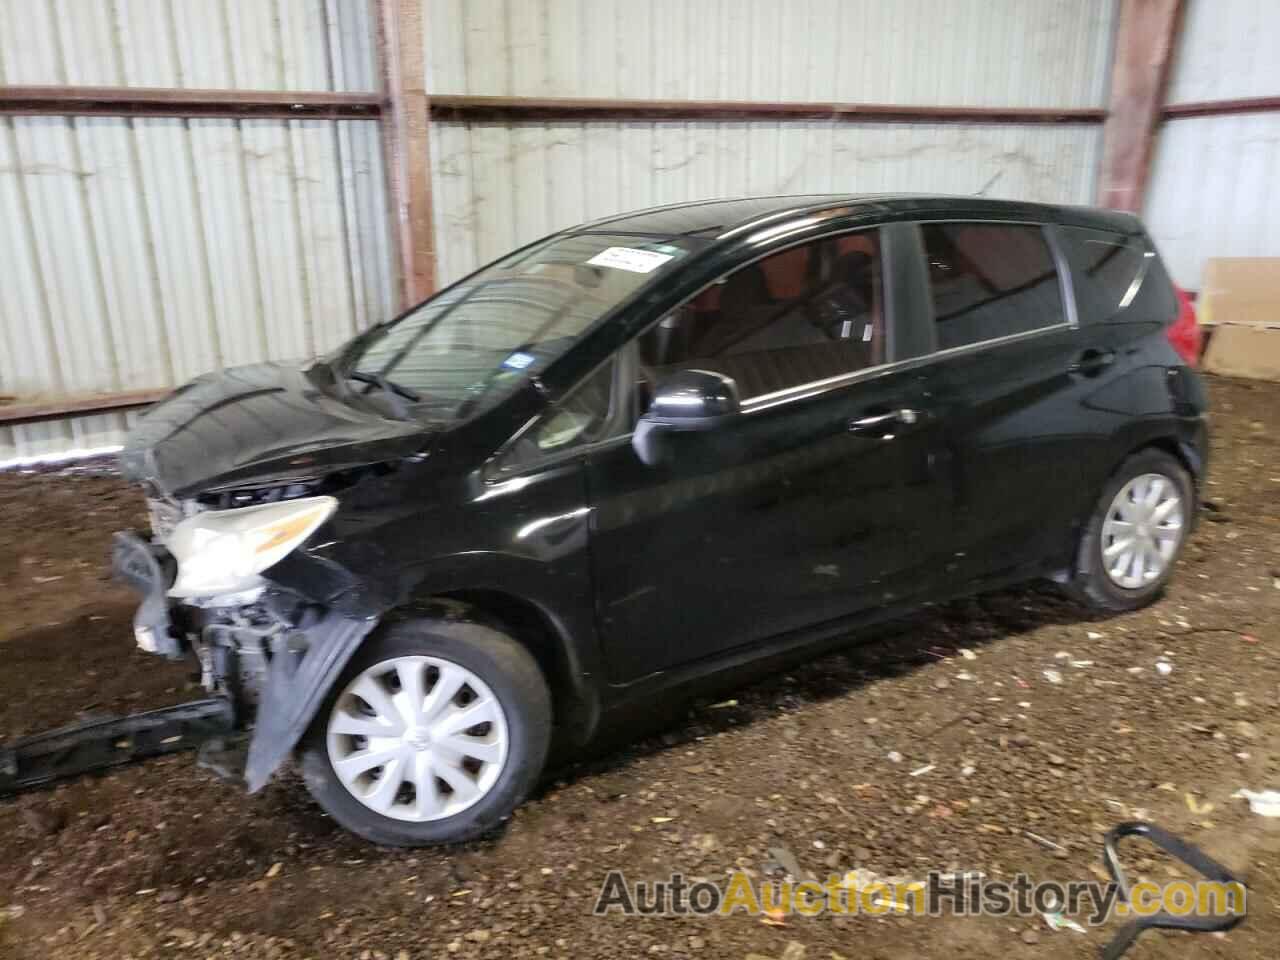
x,y
883,424
1092,362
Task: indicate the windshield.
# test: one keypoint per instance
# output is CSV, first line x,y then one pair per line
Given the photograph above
x,y
475,342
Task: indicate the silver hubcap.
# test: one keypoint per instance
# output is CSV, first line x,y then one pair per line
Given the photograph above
x,y
417,738
1142,531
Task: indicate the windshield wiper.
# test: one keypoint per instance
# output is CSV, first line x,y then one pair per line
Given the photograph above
x,y
385,385
395,393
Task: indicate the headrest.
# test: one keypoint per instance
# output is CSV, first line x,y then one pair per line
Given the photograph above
x,y
744,290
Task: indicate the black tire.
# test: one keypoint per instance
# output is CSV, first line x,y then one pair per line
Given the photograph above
x,y
512,675
1090,583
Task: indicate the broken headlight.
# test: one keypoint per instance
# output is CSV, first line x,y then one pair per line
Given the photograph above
x,y
222,551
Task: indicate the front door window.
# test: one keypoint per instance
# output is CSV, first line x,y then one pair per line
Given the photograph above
x,y
805,314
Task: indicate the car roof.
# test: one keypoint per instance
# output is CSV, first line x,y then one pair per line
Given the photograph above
x,y
722,218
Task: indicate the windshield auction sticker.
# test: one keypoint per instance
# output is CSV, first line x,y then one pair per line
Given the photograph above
x,y
518,360
629,258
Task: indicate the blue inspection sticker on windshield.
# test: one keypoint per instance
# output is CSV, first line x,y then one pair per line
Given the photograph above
x,y
518,361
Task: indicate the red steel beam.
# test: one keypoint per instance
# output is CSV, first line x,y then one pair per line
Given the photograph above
x,y
170,102
1145,41
174,102
1218,108
31,411
406,145
545,108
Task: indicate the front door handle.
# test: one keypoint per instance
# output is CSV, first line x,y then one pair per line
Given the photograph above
x,y
1092,362
883,425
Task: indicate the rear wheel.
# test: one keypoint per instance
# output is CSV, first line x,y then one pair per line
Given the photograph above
x,y
433,734
1137,530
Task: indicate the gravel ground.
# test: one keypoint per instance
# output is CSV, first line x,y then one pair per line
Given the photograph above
x,y
164,860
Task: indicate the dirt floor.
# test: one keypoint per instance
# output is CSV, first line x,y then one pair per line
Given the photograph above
x,y
823,762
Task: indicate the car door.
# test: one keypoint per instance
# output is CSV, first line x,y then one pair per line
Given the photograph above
x,y
1006,380
801,509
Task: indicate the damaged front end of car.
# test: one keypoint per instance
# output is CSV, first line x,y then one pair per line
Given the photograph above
x,y
234,572
268,650
224,580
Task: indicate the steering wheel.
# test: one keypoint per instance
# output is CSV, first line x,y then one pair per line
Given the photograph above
x,y
830,309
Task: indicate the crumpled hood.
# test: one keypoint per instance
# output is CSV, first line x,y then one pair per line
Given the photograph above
x,y
257,423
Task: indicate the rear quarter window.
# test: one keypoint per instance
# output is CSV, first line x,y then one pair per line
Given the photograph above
x,y
1116,277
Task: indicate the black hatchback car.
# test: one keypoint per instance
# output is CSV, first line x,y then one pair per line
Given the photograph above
x,y
645,451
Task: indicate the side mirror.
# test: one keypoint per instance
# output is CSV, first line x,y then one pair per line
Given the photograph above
x,y
686,401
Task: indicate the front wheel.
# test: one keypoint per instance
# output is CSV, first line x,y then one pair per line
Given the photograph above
x,y
434,733
1137,530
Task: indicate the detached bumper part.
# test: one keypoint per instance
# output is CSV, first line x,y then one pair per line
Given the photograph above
x,y
48,757
304,665
148,569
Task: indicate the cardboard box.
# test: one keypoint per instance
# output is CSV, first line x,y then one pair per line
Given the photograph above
x,y
1240,290
1239,350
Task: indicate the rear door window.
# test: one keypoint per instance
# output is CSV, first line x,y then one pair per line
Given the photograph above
x,y
990,280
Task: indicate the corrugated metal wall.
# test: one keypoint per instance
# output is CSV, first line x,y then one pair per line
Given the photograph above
x,y
141,252
209,44
1227,50
963,52
499,184
1215,185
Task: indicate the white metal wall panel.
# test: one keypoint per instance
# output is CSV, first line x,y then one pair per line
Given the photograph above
x,y
961,52
140,253
1228,49
246,44
500,185
1215,191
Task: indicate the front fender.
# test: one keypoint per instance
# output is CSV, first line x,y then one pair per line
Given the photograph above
x,y
561,597
308,661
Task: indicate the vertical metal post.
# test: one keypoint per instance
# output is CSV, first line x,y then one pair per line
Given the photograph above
x,y
406,145
1146,37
